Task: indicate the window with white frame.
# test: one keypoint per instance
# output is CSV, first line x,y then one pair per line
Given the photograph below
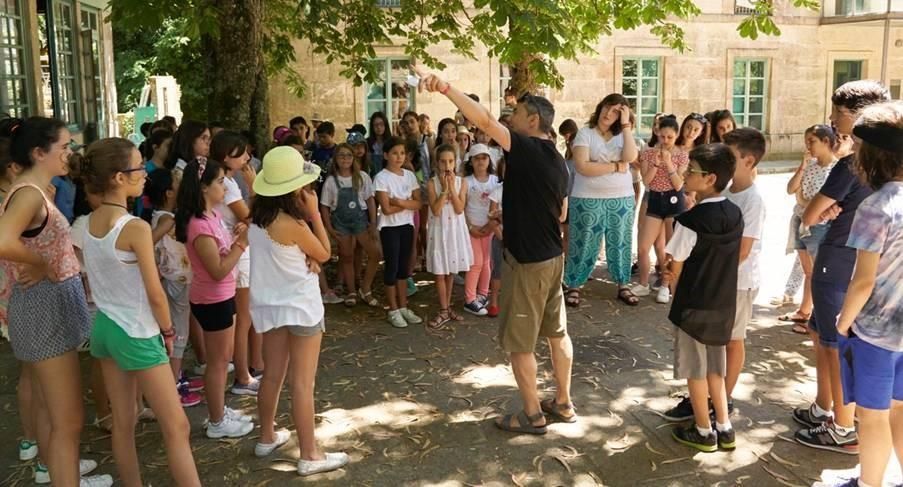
x,y
504,82
390,94
641,84
14,94
91,64
750,92
67,80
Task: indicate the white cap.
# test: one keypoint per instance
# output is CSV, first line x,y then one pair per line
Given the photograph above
x,y
478,149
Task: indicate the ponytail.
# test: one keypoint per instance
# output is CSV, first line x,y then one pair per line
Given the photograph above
x,y
190,200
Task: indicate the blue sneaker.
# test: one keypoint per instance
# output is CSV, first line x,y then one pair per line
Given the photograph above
x,y
412,288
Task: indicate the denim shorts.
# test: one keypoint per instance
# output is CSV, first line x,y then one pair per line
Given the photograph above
x,y
827,300
665,204
871,376
808,241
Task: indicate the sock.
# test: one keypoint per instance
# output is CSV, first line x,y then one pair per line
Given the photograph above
x,y
843,431
703,431
723,427
863,484
818,411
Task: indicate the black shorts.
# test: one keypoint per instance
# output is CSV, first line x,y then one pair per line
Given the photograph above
x,y
667,204
215,316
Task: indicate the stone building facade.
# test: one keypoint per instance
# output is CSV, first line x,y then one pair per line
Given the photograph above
x,y
778,84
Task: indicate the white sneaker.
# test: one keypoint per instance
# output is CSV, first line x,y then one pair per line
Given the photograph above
x,y
396,320
333,461
663,296
641,291
332,298
249,389
410,317
237,415
264,449
85,466
28,450
200,369
96,481
229,427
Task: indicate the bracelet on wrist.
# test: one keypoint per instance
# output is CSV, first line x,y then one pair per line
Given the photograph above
x,y
444,91
171,332
240,245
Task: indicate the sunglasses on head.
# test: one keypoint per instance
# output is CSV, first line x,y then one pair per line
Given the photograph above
x,y
698,117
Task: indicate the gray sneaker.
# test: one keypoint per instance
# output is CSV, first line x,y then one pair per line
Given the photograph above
x,y
826,437
808,418
395,319
410,317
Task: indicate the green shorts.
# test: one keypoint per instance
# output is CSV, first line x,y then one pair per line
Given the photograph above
x,y
109,341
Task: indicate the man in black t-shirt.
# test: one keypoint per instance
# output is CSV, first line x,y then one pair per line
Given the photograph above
x,y
534,202
829,426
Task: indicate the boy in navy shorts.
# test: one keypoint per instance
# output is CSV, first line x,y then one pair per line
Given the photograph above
x,y
705,255
828,422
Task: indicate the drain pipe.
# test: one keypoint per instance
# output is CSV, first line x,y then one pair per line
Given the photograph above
x,y
885,46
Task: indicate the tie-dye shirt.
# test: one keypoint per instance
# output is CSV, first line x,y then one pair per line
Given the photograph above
x,y
878,228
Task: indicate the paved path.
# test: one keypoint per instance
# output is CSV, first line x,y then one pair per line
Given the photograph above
x,y
415,410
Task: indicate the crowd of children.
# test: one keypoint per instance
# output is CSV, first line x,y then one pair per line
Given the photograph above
x,y
194,239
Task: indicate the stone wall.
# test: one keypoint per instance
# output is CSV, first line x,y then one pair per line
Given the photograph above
x,y
800,80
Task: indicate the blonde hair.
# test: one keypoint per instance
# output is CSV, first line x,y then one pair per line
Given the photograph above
x,y
356,180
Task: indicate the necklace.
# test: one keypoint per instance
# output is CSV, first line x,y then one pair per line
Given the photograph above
x,y
107,203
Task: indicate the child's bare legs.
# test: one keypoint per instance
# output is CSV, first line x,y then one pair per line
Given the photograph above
x,y
442,289
57,394
824,395
876,440
346,262
99,393
736,356
160,392
275,348
196,337
806,262
449,289
843,413
242,328
370,247
649,231
699,398
495,286
121,388
220,351
255,341
24,396
305,354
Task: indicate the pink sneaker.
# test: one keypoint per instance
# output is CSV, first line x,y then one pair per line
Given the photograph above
x,y
190,399
195,384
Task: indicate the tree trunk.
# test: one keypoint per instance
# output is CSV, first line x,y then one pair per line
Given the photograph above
x,y
522,79
237,76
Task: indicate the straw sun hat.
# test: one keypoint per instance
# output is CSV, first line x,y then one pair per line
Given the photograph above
x,y
284,171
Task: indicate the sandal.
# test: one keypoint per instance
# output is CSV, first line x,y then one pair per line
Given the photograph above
x,y
454,316
800,329
626,296
350,300
795,317
572,297
524,423
550,407
439,323
367,297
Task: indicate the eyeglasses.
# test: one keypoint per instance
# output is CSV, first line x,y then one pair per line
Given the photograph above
x,y
134,169
698,171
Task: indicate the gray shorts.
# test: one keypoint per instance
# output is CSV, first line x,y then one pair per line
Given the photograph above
x,y
745,298
179,313
694,360
307,331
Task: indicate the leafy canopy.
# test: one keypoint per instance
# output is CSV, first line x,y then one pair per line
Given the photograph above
x,y
346,31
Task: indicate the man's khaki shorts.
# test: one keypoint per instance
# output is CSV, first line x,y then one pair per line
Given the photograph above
x,y
532,303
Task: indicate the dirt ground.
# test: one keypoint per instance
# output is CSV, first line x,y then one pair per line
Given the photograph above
x,y
412,409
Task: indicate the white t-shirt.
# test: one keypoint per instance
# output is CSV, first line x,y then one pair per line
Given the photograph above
x,y
233,194
683,240
614,185
753,208
478,193
330,195
399,187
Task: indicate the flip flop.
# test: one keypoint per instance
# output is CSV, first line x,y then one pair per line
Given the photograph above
x,y
525,424
572,298
800,329
553,409
793,318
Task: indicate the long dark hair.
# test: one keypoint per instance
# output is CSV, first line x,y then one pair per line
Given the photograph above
x,y
156,138
183,142
26,135
610,100
265,209
823,132
703,135
190,200
385,136
227,144
717,116
879,159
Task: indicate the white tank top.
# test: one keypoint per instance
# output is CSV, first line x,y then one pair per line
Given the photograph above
x,y
116,282
284,292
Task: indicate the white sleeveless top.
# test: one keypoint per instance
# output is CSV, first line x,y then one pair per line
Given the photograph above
x,y
116,282
284,292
